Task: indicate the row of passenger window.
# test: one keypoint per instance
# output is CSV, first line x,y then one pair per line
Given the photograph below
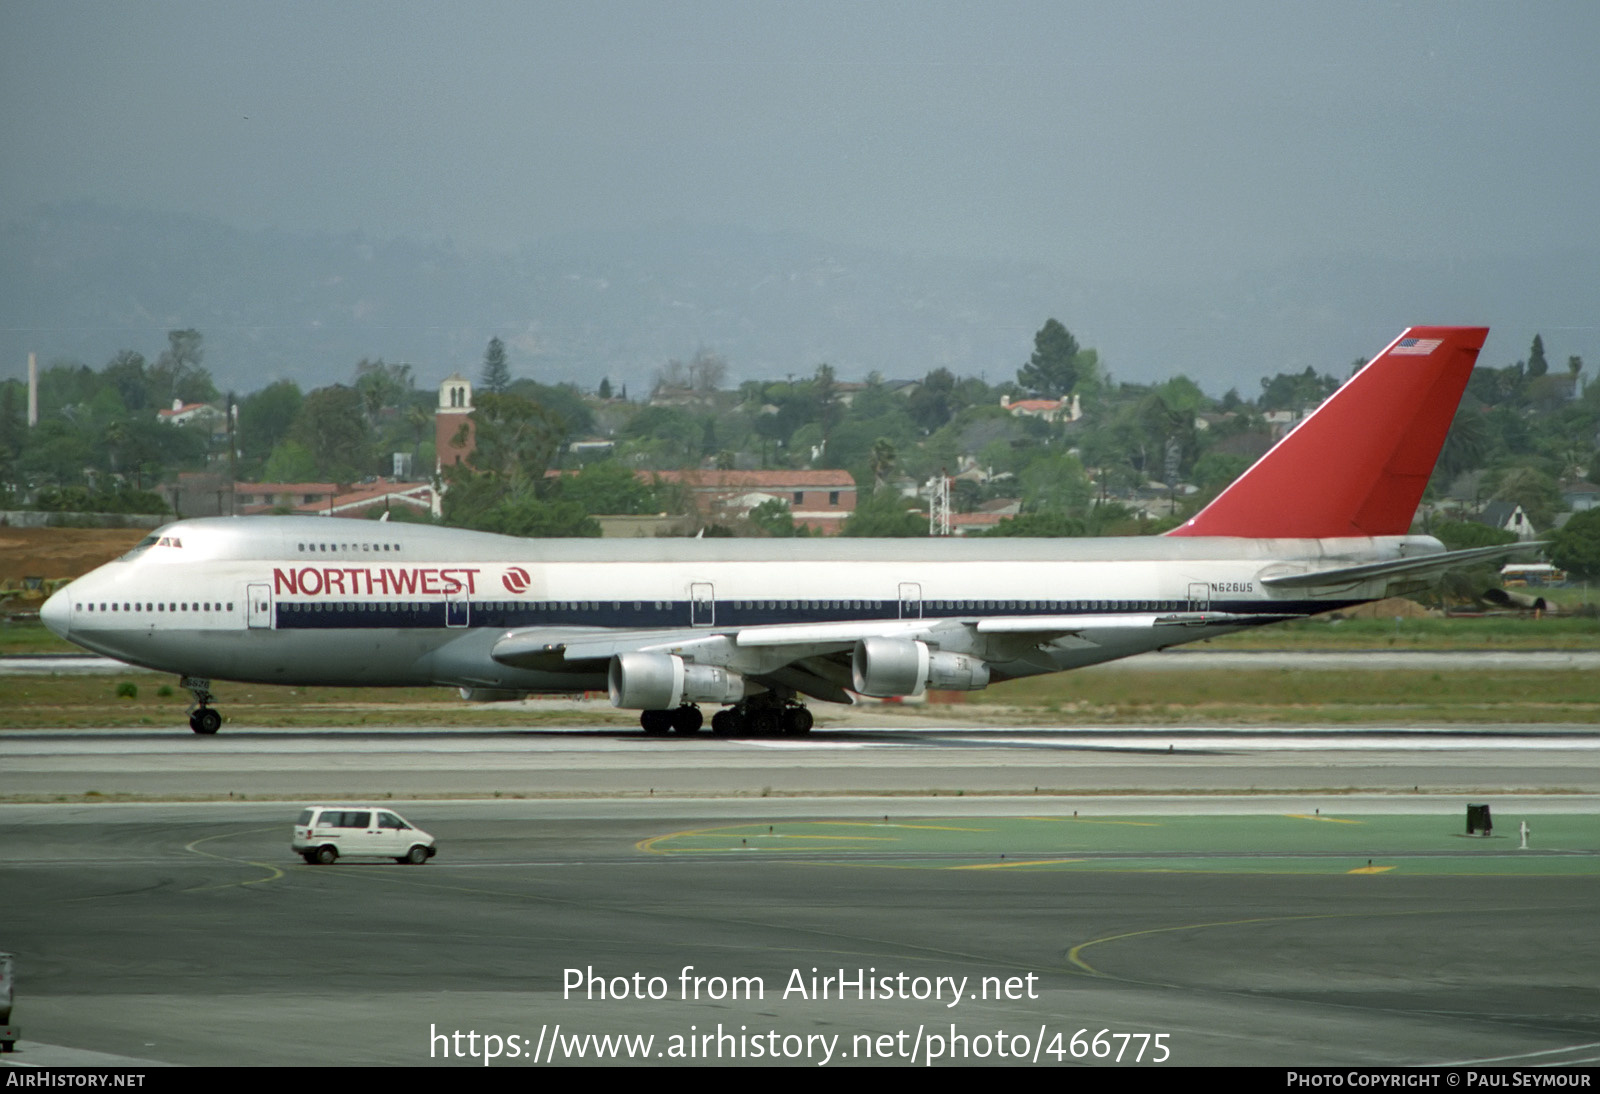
x,y
342,606
203,606
931,606
353,548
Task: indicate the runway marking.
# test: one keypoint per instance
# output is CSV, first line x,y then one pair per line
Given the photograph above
x,y
1075,955
1316,817
795,835
1532,1057
648,846
273,873
1009,865
1088,820
742,832
1369,869
921,827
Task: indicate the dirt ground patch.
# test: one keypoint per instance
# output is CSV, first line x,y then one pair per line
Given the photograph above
x,y
60,552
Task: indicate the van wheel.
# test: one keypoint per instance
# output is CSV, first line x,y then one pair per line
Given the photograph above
x,y
310,857
327,856
416,856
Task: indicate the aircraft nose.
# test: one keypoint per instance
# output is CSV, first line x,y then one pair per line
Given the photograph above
x,y
56,613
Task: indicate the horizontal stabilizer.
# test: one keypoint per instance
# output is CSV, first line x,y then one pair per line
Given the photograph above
x,y
1425,564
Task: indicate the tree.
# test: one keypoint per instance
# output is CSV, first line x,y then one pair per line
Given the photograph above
x,y
933,403
1055,484
885,514
1039,525
1465,446
1295,391
1529,487
883,461
177,373
330,425
825,390
516,440
1052,371
266,416
1463,535
126,372
775,518
382,386
1576,546
534,517
1537,365
290,461
496,374
607,487
707,371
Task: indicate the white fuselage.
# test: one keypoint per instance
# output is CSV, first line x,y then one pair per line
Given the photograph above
x,y
296,600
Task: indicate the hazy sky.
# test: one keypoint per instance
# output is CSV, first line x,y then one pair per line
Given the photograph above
x,y
1133,140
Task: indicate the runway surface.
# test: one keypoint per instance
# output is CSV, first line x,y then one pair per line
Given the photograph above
x,y
1344,918
510,761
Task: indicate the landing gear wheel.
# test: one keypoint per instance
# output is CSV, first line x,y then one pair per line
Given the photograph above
x,y
764,722
656,722
416,856
202,719
326,856
797,720
688,719
726,723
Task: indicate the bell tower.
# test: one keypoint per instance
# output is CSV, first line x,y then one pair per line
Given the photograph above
x,y
453,435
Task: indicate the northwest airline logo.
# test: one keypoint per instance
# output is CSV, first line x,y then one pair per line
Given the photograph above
x,y
515,580
367,580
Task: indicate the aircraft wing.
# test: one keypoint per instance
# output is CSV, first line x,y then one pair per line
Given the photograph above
x,y
536,648
1422,566
815,658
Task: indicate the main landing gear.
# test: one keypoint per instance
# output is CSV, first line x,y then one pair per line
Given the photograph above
x,y
761,716
202,717
685,719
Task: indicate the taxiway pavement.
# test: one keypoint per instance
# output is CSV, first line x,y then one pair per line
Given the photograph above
x,y
186,933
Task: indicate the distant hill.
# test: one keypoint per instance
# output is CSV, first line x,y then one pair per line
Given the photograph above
x,y
83,281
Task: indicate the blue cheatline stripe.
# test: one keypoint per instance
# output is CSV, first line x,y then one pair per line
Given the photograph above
x,y
635,614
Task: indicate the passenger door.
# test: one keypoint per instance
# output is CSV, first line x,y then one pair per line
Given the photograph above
x,y
457,608
702,604
392,835
910,600
259,606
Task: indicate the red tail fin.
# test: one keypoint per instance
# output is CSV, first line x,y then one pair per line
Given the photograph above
x,y
1356,466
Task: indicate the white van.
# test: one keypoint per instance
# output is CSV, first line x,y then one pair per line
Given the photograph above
x,y
325,833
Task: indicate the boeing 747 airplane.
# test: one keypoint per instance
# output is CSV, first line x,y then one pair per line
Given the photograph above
x,y
1320,522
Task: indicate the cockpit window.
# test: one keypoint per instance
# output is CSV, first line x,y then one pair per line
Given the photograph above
x,y
141,547
152,540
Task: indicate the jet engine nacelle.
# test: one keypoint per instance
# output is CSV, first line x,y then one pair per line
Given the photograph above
x,y
885,667
663,681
